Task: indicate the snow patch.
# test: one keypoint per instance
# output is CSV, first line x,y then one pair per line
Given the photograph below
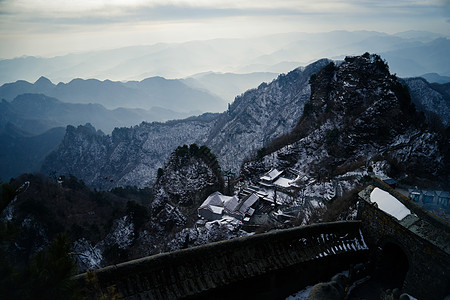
x,y
389,204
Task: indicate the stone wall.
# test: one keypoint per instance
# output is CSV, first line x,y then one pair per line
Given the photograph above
x,y
428,276
422,213
270,265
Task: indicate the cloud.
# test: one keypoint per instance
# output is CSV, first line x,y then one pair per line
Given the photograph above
x,y
128,12
149,21
159,13
98,12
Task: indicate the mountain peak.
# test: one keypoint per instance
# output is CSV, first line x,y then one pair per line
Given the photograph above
x,y
44,82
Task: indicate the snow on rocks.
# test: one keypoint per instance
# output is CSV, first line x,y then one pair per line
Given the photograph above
x,y
323,190
86,255
218,230
123,233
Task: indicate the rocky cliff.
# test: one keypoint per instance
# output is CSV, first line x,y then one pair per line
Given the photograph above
x,y
189,177
359,115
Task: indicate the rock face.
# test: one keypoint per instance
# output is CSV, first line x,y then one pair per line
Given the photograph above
x,y
260,115
358,115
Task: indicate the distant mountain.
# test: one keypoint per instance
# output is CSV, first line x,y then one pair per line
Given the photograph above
x,y
418,35
400,50
278,68
36,113
229,85
20,153
133,63
151,92
420,59
277,53
435,77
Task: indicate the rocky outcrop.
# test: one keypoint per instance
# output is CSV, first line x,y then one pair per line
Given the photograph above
x,y
191,174
359,115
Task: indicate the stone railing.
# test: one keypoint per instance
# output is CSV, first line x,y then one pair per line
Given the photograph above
x,y
270,264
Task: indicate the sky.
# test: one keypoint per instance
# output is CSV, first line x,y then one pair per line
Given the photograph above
x,y
56,27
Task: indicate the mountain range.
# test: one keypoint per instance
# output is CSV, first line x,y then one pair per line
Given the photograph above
x,y
155,92
37,113
23,153
408,53
252,122
132,155
32,125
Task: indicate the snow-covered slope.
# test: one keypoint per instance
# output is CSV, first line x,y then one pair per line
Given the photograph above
x,y
260,115
429,99
129,156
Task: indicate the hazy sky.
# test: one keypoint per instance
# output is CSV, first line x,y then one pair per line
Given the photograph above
x,y
54,27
